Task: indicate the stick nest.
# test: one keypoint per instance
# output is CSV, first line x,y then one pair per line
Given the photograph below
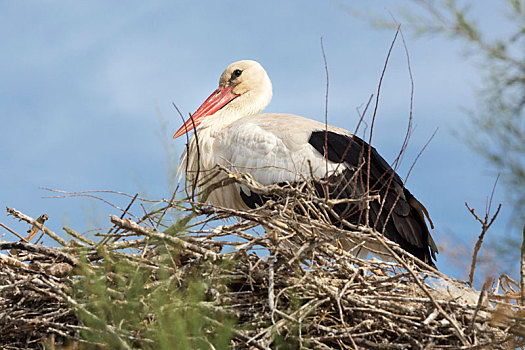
x,y
277,271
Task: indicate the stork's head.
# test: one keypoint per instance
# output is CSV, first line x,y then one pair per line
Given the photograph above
x,y
244,89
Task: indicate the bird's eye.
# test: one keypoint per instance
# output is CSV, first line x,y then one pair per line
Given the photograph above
x,y
236,73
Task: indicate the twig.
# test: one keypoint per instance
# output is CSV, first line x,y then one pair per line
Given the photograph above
x,y
30,220
271,273
478,306
108,237
485,225
378,94
13,232
77,235
197,146
325,115
48,251
133,226
4,259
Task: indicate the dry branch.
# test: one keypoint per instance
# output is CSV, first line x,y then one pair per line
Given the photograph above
x,y
30,220
485,225
302,288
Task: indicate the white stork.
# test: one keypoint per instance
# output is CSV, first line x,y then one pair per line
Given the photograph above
x,y
281,148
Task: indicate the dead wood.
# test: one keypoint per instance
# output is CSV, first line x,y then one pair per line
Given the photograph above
x,y
287,280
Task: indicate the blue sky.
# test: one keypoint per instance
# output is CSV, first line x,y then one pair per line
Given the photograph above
x,y
84,85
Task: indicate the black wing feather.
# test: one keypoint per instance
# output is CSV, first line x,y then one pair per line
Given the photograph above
x,y
401,217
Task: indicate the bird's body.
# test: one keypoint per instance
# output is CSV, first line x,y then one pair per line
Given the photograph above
x,y
268,156
284,148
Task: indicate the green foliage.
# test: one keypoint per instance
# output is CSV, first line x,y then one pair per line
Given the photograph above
x,y
126,304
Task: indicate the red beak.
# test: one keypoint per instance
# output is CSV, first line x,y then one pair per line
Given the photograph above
x,y
218,99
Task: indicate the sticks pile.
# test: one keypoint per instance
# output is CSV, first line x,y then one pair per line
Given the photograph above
x,y
33,299
286,282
